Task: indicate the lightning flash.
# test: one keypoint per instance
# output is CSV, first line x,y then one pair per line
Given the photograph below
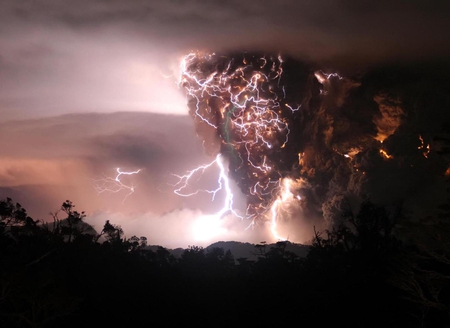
x,y
242,100
115,185
223,184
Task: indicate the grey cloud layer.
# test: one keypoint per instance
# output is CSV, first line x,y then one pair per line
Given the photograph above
x,y
81,56
67,151
302,27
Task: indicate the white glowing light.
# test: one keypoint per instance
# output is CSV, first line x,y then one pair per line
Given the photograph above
x,y
207,228
283,199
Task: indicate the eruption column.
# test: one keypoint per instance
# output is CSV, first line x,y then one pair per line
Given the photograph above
x,y
241,100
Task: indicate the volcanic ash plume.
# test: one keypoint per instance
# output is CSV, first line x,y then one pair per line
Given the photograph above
x,y
299,140
390,117
243,103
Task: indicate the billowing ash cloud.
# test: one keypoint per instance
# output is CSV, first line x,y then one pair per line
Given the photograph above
x,y
390,116
342,139
242,100
382,140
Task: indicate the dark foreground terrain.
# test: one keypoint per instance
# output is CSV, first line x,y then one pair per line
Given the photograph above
x,y
63,274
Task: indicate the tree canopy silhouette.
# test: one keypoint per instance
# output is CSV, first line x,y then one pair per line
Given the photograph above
x,y
64,274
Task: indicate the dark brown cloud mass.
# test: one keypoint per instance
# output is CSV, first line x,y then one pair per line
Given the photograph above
x,y
373,136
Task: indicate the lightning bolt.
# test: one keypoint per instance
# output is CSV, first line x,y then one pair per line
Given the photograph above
x,y
223,185
321,76
114,185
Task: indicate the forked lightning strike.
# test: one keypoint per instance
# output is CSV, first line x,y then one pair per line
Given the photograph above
x,y
114,185
223,184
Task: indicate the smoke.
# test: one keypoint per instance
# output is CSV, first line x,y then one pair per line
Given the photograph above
x,y
242,109
341,138
390,116
387,127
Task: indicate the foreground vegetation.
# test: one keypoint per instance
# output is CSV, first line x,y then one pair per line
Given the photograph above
x,y
64,274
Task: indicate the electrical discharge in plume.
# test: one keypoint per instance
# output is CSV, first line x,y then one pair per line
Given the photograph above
x,y
223,183
115,185
241,101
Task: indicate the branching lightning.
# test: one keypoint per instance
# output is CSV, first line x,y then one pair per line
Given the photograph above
x,y
242,100
114,185
223,184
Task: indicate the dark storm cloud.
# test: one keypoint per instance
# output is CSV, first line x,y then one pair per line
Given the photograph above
x,y
316,29
410,104
62,56
128,149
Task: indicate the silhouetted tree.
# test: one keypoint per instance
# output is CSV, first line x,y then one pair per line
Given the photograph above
x,y
69,227
422,272
63,275
113,233
14,215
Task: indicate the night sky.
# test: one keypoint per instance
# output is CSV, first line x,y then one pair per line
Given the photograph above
x,y
89,86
